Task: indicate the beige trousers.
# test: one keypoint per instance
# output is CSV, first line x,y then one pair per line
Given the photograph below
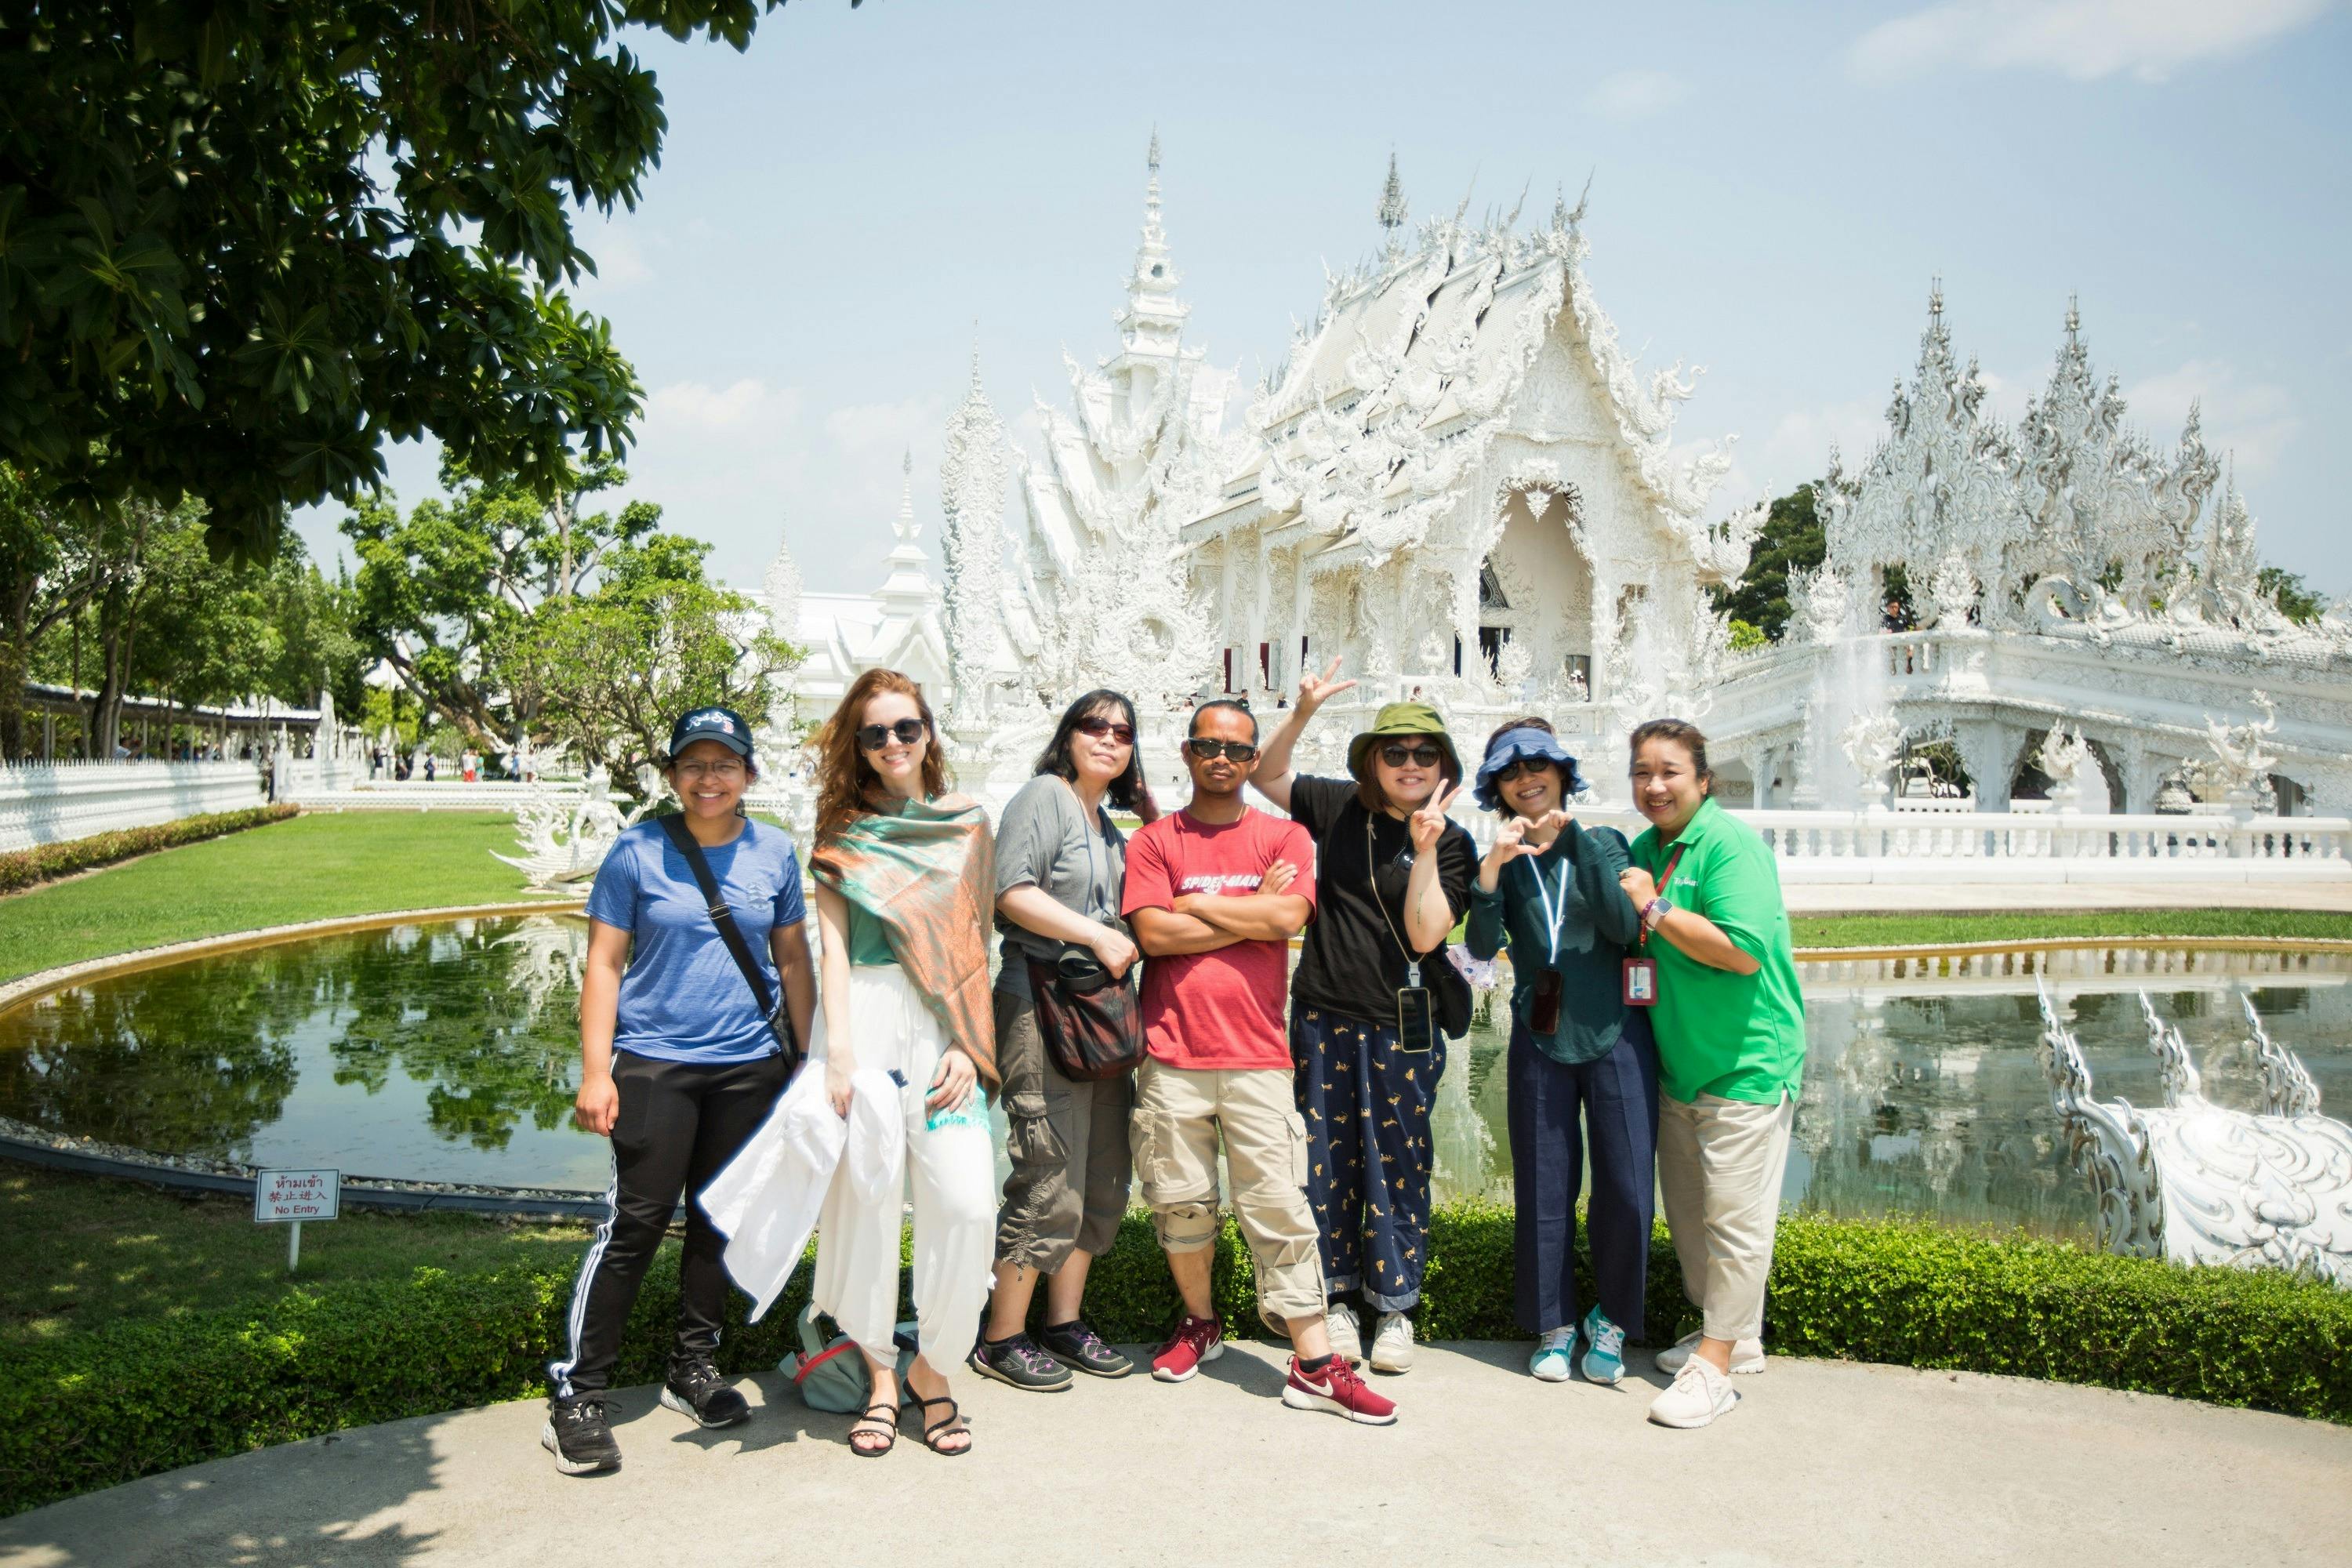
x,y
1178,1115
1719,1168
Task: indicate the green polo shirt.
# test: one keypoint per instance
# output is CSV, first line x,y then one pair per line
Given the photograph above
x,y
1741,1037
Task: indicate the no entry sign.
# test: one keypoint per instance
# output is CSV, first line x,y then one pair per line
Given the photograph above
x,y
289,1197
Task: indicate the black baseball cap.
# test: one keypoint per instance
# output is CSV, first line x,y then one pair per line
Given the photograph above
x,y
723,725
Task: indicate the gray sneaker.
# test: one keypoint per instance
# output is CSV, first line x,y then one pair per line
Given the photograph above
x,y
1076,1345
1019,1362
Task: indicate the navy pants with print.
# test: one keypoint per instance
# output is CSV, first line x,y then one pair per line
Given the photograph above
x,y
1366,1104
1616,1098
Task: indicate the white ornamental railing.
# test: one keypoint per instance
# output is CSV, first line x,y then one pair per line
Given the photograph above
x,y
47,803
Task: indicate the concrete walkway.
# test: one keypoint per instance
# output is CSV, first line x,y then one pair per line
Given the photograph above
x,y
2122,893
1824,1462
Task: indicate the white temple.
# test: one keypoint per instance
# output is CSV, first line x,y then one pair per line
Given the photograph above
x,y
1459,483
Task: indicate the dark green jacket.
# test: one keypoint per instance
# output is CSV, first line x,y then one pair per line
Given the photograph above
x,y
1596,926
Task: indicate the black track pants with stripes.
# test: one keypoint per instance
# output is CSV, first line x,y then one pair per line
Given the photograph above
x,y
680,1124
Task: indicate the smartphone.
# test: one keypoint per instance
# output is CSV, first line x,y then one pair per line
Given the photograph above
x,y
1543,1003
1416,1020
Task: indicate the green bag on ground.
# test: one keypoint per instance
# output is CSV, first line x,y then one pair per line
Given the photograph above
x,y
832,1374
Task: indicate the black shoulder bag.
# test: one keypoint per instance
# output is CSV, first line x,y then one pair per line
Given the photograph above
x,y
780,1023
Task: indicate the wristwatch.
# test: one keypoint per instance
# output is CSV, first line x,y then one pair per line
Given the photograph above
x,y
1658,909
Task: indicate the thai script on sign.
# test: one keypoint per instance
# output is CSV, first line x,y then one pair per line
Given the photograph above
x,y
282,1197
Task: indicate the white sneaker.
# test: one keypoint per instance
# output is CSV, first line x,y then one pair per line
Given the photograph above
x,y
1747,1356
1347,1338
1393,1343
1697,1396
1553,1355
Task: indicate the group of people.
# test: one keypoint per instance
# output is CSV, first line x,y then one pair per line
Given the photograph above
x,y
1656,1022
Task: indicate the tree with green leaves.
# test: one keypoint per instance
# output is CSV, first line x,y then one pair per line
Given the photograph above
x,y
244,242
1791,541
2288,590
437,589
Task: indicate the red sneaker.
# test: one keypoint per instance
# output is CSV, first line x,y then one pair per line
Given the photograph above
x,y
1196,1340
1337,1389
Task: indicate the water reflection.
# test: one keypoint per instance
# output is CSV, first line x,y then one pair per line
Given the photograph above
x,y
448,1051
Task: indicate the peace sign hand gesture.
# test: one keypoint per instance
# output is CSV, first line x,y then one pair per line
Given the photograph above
x,y
1316,690
1428,825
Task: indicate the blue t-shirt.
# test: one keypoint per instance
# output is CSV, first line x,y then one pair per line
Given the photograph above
x,y
682,998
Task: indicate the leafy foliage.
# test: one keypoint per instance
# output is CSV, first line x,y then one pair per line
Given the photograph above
x,y
1791,541
242,243
2286,589
81,1414
21,869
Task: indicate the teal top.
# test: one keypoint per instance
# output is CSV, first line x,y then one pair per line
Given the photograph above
x,y
869,945
1741,1036
1577,873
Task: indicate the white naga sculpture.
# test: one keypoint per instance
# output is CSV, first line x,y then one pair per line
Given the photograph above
x,y
2239,770
2063,758
565,833
1872,744
2192,1181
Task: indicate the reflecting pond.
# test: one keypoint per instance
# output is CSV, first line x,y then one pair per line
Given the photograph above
x,y
448,1051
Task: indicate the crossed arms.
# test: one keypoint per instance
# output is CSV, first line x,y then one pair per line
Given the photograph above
x,y
1203,922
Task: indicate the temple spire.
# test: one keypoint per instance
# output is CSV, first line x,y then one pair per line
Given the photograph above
x,y
905,527
1393,209
1152,322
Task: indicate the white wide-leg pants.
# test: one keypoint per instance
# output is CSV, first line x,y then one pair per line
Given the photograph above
x,y
953,1168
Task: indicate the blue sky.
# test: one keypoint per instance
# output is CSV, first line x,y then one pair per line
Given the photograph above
x,y
846,210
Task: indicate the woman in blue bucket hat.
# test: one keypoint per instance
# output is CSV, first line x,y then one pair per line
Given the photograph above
x,y
1547,890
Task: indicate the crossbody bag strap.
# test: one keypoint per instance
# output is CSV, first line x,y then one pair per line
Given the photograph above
x,y
724,919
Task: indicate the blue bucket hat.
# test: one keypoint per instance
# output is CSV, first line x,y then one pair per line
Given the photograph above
x,y
1527,741
723,725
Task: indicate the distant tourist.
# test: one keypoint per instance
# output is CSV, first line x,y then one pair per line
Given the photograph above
x,y
678,1064
1373,997
904,875
1731,1049
428,767
1216,892
1582,1069
1065,1004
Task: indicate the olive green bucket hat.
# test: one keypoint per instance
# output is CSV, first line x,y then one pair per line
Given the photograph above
x,y
1396,719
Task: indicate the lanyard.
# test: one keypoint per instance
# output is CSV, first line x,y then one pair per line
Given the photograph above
x,y
1665,880
1553,914
1373,885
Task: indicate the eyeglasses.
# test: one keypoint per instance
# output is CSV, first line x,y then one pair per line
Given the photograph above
x,y
1209,751
728,768
1123,733
1513,770
1397,755
874,737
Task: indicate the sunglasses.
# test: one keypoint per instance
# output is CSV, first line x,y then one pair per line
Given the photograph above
x,y
1511,771
1123,733
1396,757
874,737
1209,751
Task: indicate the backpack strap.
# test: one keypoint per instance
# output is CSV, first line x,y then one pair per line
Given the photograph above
x,y
732,934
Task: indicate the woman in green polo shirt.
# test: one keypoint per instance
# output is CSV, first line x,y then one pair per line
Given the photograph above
x,y
1730,1029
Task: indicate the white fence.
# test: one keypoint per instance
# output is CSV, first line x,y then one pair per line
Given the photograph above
x,y
44,803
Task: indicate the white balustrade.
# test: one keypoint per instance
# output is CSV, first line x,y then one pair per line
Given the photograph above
x,y
47,803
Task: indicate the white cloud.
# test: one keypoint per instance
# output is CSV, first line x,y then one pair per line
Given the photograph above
x,y
1637,94
2084,39
2250,422
749,404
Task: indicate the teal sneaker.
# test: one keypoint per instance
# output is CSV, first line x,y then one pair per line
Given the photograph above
x,y
1604,1354
1551,1363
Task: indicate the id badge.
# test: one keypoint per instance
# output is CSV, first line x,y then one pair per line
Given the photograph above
x,y
1641,983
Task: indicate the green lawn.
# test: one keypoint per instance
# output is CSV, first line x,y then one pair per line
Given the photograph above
x,y
1921,930
115,1252
313,867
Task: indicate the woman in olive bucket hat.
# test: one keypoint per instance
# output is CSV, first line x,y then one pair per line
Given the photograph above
x,y
1391,877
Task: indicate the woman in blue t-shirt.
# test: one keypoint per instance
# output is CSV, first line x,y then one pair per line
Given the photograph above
x,y
679,1067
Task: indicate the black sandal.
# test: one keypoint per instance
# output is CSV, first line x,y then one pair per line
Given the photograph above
x,y
945,1427
890,1438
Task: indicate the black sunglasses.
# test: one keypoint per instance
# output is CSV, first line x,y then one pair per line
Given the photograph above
x,y
1209,751
1397,755
1123,733
1514,768
874,737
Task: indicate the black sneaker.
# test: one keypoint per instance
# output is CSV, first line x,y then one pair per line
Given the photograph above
x,y
1074,1344
696,1389
1019,1362
577,1435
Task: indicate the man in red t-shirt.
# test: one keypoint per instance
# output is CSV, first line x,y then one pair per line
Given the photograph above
x,y
1214,894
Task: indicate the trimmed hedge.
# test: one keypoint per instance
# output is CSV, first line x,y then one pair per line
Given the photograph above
x,y
21,869
116,1403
